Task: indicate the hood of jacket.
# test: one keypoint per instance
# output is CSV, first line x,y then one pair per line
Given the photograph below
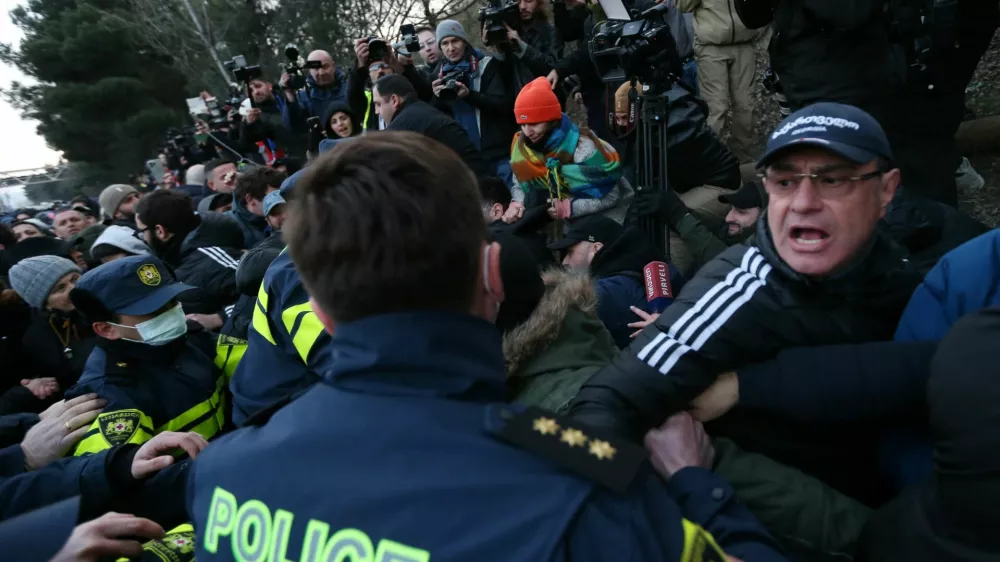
x,y
563,341
628,254
243,215
215,229
338,107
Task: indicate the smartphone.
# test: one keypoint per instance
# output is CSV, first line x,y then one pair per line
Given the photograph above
x,y
156,169
407,29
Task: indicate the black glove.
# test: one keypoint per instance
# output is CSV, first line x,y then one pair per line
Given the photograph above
x,y
663,203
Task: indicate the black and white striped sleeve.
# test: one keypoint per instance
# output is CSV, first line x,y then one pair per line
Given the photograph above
x,y
714,325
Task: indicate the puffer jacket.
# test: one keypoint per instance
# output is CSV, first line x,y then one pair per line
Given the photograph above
x,y
743,307
560,346
716,22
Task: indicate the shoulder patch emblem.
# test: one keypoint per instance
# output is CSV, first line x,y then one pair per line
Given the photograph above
x,y
118,427
174,547
149,275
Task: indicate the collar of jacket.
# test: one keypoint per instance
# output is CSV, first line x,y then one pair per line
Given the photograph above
x,y
339,81
876,261
244,215
429,354
125,351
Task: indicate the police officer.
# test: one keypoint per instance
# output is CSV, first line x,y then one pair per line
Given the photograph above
x,y
287,348
153,367
405,449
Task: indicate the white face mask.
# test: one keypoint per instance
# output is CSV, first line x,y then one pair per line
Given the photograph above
x,y
162,329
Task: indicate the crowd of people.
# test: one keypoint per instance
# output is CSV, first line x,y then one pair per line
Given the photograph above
x,y
413,311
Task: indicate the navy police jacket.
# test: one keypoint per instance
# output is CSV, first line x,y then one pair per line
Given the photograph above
x,y
287,345
152,389
400,453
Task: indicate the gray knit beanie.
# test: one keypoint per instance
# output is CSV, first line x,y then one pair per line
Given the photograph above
x,y
34,278
451,28
112,196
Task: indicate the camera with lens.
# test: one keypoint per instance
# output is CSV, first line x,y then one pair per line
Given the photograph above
x,y
377,49
244,73
496,17
449,92
296,78
643,48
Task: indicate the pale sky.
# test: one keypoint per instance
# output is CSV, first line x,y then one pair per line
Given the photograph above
x,y
20,145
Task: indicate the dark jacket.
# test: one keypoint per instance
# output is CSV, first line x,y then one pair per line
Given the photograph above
x,y
326,131
745,307
965,281
541,37
952,516
367,407
421,117
44,347
253,227
618,269
360,100
271,126
817,39
927,229
201,262
151,389
313,100
492,95
288,347
233,337
708,161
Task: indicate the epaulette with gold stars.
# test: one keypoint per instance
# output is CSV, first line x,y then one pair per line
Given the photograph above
x,y
592,454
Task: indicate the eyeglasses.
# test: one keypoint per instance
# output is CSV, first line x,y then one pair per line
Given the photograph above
x,y
828,186
377,66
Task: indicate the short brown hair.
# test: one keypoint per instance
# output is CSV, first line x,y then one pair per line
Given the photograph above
x,y
387,223
255,181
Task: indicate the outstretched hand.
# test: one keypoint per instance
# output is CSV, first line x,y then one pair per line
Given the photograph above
x,y
154,455
104,538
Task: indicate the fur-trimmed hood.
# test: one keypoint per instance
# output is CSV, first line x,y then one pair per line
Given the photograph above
x,y
561,344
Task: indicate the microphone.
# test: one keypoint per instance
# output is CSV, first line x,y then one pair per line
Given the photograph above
x,y
659,293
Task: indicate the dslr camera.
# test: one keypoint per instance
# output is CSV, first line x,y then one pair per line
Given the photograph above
x,y
449,92
496,16
377,49
296,78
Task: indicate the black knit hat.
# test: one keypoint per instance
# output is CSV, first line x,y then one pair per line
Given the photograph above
x,y
522,282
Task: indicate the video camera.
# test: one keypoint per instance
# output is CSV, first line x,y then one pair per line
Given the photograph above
x,y
244,73
377,49
641,47
496,17
297,80
449,92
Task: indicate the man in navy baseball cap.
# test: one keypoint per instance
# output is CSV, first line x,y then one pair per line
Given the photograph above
x,y
132,286
829,177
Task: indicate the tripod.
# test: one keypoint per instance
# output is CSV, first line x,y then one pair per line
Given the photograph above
x,y
650,115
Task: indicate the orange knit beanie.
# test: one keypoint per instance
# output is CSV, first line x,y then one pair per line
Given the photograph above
x,y
537,103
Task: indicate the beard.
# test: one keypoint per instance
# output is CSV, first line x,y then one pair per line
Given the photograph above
x,y
161,248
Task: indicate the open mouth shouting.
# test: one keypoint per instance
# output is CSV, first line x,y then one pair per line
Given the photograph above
x,y
808,238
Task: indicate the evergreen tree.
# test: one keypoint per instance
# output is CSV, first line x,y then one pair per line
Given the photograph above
x,y
103,95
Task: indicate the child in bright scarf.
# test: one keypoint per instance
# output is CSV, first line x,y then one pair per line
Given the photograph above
x,y
556,161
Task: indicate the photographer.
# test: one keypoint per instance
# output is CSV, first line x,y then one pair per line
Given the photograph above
x,y
264,125
537,31
474,89
376,59
324,86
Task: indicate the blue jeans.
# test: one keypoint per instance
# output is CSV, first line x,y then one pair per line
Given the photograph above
x,y
690,76
504,172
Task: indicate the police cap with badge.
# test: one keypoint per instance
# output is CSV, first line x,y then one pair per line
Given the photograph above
x,y
133,286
